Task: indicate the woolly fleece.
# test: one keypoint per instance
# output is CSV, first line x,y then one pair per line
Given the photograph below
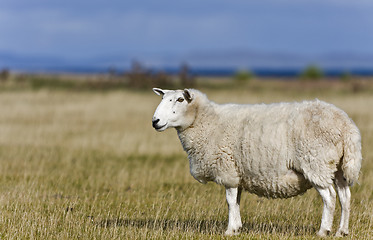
x,y
274,150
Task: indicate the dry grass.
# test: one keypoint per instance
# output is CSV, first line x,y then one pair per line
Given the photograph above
x,y
88,165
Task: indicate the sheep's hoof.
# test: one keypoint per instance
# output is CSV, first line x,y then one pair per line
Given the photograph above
x,y
232,232
341,233
323,233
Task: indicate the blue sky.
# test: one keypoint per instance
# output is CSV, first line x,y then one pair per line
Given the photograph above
x,y
91,28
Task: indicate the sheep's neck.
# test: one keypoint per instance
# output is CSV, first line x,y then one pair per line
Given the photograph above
x,y
195,140
197,135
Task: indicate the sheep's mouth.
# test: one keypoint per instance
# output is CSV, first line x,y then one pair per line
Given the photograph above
x,y
159,127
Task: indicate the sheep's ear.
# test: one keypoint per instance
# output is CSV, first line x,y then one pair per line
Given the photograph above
x,y
187,95
159,91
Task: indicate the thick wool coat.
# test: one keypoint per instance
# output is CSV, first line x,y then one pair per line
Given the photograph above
x,y
274,150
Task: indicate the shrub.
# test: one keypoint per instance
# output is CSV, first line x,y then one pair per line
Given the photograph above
x,y
312,72
138,76
243,76
4,74
187,80
346,76
141,78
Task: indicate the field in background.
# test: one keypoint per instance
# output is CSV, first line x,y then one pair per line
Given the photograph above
x,y
88,165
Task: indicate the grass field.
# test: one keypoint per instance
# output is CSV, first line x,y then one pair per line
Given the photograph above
x,y
88,165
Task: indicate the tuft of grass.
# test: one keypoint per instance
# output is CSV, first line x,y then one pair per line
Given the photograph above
x,y
88,165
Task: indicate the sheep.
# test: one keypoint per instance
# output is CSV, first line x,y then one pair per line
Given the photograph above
x,y
277,150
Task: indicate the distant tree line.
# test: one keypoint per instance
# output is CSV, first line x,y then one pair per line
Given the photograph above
x,y
140,77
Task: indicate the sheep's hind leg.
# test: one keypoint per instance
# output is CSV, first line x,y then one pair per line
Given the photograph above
x,y
233,196
328,196
344,195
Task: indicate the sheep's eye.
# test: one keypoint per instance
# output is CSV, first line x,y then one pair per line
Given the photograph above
x,y
180,99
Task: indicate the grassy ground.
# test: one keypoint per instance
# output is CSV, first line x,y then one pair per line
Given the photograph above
x,y
88,165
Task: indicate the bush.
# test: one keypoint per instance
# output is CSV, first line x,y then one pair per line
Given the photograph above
x,y
187,80
4,74
346,76
141,78
312,72
138,76
243,76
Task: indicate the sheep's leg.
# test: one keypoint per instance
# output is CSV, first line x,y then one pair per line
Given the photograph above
x,y
344,195
328,196
233,196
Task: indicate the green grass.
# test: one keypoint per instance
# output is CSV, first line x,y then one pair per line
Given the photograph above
x,y
88,165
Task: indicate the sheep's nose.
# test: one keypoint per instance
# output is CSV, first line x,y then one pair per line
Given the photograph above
x,y
155,121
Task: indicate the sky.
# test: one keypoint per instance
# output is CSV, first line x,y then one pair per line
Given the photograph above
x,y
81,29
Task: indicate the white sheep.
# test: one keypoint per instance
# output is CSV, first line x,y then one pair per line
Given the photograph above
x,y
273,150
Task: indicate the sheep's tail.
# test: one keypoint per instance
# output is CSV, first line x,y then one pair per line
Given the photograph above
x,y
352,158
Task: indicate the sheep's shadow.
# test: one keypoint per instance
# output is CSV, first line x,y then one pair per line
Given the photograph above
x,y
207,226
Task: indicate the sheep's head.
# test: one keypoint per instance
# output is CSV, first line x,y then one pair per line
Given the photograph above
x,y
175,109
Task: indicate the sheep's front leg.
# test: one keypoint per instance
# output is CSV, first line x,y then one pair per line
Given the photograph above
x,y
233,196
